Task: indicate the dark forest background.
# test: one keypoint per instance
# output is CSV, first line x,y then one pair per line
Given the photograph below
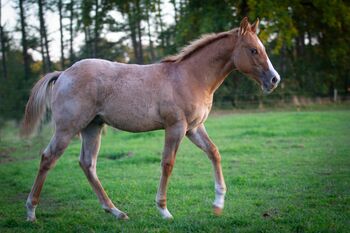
x,y
307,41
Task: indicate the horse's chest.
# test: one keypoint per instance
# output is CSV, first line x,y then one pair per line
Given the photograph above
x,y
197,116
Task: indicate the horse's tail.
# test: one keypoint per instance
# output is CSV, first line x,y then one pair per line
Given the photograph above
x,y
40,98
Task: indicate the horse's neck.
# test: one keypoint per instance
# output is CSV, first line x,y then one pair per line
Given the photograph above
x,y
211,64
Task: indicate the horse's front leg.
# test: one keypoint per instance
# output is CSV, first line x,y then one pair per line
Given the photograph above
x,y
201,139
173,137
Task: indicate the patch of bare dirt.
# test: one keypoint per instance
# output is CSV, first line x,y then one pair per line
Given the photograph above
x,y
5,156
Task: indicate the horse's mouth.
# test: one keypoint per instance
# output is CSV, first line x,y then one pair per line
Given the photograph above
x,y
268,89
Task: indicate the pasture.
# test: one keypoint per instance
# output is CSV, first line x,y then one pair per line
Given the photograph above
x,y
285,172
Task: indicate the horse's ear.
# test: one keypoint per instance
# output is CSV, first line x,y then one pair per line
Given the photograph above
x,y
244,27
255,26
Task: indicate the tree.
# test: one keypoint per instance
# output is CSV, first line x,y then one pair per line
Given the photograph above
x,y
60,7
71,35
132,9
24,41
160,25
150,8
3,50
43,37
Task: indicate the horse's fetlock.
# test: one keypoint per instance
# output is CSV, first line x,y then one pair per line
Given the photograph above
x,y
161,203
220,190
32,203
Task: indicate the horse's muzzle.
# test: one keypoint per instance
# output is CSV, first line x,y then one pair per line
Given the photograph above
x,y
270,81
268,87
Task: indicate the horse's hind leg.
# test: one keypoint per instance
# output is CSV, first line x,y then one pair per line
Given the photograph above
x,y
53,151
91,137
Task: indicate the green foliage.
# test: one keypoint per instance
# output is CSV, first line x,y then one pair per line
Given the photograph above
x,y
200,17
307,41
14,90
283,171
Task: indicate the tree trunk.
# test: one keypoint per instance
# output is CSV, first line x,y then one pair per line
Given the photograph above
x,y
43,35
24,42
300,43
133,35
86,40
71,18
96,27
139,31
244,8
42,50
151,48
176,14
61,33
3,52
176,11
160,23
283,59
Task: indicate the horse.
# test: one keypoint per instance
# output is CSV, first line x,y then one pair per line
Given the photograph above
x,y
174,95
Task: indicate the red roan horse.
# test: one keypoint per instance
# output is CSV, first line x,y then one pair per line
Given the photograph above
x,y
175,94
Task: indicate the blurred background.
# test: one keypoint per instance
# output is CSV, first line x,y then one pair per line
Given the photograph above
x,y
307,41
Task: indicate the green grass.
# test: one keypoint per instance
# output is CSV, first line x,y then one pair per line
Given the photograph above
x,y
285,172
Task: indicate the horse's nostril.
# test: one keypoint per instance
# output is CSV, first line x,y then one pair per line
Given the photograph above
x,y
274,80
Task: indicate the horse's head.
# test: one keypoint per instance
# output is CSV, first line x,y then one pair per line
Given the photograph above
x,y
251,59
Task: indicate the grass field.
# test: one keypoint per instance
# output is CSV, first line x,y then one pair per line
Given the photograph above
x,y
285,172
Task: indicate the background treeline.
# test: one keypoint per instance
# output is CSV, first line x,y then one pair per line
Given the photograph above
x,y
308,42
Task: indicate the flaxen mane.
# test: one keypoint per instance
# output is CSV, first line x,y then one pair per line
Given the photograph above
x,y
197,45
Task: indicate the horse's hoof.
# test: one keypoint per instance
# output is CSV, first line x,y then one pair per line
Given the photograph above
x,y
217,210
31,219
122,216
164,212
117,213
168,218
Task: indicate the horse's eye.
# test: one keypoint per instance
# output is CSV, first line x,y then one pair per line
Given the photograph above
x,y
254,51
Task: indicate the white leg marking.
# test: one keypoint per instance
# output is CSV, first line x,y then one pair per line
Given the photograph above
x,y
30,211
220,192
165,213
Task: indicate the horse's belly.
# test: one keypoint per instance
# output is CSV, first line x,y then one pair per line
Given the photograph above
x,y
132,125
132,118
